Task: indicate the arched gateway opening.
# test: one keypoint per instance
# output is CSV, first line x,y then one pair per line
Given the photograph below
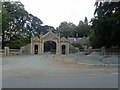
x,y
50,46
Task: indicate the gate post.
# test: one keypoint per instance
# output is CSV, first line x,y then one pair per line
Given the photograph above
x,y
103,50
58,48
6,51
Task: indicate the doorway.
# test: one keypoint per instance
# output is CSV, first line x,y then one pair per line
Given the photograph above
x,y
63,49
36,49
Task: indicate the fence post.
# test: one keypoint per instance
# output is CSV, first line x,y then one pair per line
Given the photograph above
x,y
90,49
6,51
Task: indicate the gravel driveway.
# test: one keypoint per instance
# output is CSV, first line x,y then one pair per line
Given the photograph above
x,y
42,71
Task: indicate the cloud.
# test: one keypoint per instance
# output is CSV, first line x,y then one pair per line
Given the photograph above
x,y
52,12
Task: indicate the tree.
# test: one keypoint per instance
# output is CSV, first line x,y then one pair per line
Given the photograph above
x,y
106,24
6,20
86,20
16,21
80,23
67,29
17,42
83,29
44,29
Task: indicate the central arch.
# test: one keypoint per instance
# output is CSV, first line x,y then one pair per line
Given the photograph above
x,y
50,46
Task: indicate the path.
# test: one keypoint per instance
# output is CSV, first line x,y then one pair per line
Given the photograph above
x,y
42,72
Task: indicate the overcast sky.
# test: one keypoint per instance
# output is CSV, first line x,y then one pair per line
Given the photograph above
x,y
53,12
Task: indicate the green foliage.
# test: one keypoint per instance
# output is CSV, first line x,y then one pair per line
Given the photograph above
x,y
106,25
83,29
44,29
17,42
71,30
67,29
18,26
17,22
95,43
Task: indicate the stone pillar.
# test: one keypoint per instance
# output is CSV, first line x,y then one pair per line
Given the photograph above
x,y
42,48
39,48
77,48
85,47
58,48
103,50
67,48
6,51
21,50
31,46
90,49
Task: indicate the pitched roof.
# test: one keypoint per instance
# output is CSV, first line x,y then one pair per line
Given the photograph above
x,y
36,39
63,39
49,35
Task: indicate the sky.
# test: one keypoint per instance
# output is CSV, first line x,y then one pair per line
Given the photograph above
x,y
53,12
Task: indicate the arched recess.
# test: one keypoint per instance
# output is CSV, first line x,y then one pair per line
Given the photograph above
x,y
63,47
50,46
35,49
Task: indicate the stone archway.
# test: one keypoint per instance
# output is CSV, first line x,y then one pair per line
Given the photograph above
x,y
50,36
50,46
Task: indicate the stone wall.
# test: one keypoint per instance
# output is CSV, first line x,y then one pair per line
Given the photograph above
x,y
72,49
26,49
7,51
1,52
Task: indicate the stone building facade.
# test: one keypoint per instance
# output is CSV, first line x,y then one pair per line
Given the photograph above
x,y
37,44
